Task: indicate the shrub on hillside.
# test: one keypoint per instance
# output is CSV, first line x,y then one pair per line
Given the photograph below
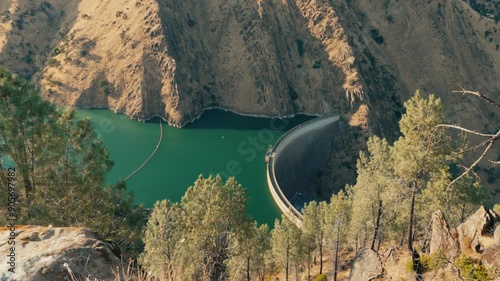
x,y
472,269
321,277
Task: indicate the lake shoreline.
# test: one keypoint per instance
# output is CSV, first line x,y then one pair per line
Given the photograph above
x,y
203,112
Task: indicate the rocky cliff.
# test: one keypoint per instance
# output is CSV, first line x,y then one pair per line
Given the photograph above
x,y
56,253
474,238
174,59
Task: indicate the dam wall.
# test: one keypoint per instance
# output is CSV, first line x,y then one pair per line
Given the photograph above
x,y
295,159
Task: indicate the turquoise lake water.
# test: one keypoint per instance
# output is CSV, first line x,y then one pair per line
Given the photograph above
x,y
219,142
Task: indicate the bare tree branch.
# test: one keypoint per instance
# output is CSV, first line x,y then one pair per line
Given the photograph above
x,y
472,148
473,164
478,179
466,130
491,138
459,275
494,163
490,141
477,94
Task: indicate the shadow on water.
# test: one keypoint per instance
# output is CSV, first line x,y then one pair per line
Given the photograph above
x,y
221,119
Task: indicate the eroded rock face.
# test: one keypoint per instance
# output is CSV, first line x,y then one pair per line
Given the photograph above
x,y
367,266
491,255
175,58
48,254
470,231
443,238
496,234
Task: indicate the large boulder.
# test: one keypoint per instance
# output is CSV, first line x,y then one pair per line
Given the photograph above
x,y
491,256
473,228
367,266
443,238
496,234
48,254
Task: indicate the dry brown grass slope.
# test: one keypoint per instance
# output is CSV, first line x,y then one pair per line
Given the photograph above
x,y
433,46
173,58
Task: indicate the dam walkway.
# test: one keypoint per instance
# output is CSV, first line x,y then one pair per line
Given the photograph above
x,y
295,159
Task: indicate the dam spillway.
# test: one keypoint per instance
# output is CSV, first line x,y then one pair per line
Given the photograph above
x,y
295,159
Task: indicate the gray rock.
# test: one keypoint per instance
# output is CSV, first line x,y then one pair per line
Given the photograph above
x,y
48,254
367,266
491,256
474,227
443,239
496,234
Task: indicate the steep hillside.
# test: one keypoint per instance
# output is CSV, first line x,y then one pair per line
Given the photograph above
x,y
175,58
433,46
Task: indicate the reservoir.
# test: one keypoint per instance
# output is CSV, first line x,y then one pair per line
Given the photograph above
x,y
220,142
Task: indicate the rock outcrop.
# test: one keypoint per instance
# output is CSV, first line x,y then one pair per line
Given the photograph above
x,y
51,253
366,266
491,256
472,237
470,231
443,238
496,234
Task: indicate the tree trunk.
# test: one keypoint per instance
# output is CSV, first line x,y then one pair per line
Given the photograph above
x,y
462,213
28,189
309,268
308,272
356,250
263,272
296,272
336,255
410,224
248,268
32,167
287,256
321,258
377,224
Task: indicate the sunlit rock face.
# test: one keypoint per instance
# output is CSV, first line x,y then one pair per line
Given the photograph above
x,y
55,253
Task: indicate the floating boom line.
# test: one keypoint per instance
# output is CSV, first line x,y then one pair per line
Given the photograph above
x,y
150,156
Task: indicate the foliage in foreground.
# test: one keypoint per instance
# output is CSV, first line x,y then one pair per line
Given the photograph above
x,y
61,163
208,236
471,269
194,239
60,167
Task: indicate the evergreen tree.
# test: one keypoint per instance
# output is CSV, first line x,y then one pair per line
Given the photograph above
x,y
464,198
337,219
162,238
204,234
313,227
375,193
248,251
422,158
212,212
26,127
60,166
283,237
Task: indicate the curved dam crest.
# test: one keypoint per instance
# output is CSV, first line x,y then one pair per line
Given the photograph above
x,y
295,159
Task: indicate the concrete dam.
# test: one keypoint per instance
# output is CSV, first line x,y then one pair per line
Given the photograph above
x,y
295,159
